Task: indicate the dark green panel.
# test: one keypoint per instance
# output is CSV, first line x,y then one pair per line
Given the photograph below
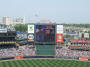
x,y
45,50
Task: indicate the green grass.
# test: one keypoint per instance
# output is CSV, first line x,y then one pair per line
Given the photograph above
x,y
44,63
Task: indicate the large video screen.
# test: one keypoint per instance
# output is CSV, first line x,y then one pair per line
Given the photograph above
x,y
45,33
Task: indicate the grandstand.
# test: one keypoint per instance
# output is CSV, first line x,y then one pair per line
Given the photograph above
x,y
42,41
7,36
80,44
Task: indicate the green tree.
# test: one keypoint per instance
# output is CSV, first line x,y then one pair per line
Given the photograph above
x,y
21,28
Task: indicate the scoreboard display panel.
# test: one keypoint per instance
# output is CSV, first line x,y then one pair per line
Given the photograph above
x,y
45,34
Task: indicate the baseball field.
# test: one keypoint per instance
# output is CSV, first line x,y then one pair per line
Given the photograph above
x,y
44,63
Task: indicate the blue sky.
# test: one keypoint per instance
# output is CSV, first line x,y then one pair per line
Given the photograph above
x,y
68,11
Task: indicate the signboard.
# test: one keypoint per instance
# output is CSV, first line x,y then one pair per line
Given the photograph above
x,y
59,29
83,58
80,35
45,21
59,38
21,35
30,37
3,30
78,41
86,35
30,28
18,57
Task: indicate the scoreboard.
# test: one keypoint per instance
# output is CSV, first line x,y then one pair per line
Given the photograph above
x,y
45,33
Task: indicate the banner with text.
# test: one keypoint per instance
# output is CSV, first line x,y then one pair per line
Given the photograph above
x,y
59,29
30,28
59,38
30,37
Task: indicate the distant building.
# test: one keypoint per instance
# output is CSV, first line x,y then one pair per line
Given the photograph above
x,y
6,20
7,36
16,21
12,21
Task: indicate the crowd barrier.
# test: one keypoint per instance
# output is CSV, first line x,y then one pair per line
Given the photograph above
x,y
62,57
7,58
27,57
84,59
38,57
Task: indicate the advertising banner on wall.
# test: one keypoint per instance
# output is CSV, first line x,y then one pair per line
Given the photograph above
x,y
59,38
3,30
59,29
83,58
80,35
31,37
78,41
30,28
18,57
86,35
21,35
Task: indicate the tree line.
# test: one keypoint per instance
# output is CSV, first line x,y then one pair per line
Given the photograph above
x,y
21,27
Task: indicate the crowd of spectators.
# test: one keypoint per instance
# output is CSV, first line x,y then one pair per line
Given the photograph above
x,y
31,51
80,44
21,51
72,53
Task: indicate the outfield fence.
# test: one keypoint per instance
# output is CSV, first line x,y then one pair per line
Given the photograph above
x,y
45,57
